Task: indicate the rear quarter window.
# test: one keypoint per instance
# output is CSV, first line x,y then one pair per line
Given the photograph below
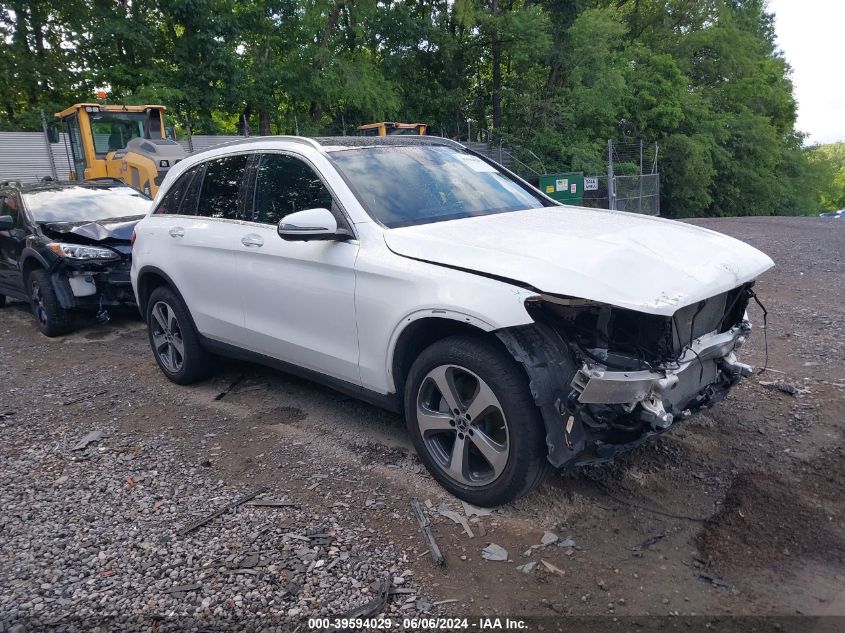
x,y
176,200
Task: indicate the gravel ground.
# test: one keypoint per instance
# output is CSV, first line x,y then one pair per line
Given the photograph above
x,y
93,533
738,511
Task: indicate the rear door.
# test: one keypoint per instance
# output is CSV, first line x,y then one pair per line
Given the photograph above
x,y
197,226
298,297
11,244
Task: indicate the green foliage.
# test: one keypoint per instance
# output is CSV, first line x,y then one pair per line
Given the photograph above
x,y
702,79
828,170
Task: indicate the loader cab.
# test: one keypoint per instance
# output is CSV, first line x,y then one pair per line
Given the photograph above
x,y
128,143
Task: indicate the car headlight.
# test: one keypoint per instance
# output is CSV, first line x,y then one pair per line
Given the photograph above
x,y
76,251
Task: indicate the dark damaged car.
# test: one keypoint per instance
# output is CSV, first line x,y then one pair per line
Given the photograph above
x,y
66,248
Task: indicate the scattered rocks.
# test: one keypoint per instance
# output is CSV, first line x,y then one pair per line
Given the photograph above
x,y
80,543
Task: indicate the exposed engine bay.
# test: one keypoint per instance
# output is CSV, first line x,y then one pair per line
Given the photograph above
x,y
607,378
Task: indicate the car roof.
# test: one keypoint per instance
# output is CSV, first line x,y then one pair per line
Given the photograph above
x,y
328,143
54,185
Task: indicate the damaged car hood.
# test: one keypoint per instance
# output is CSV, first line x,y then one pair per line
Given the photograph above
x,y
117,230
631,261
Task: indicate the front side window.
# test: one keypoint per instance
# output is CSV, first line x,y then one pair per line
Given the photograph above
x,y
418,184
85,204
284,185
219,195
9,206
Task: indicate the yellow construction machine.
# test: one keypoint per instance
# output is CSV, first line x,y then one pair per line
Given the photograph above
x,y
389,128
120,142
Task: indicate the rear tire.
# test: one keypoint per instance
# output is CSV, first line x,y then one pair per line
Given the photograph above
x,y
2,301
485,441
50,317
174,340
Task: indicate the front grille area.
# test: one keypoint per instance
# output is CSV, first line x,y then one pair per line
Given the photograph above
x,y
629,340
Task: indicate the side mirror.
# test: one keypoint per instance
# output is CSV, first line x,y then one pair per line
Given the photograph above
x,y
6,223
310,224
53,133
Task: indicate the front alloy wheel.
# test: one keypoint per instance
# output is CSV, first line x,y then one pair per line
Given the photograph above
x,y
473,420
462,425
38,308
50,317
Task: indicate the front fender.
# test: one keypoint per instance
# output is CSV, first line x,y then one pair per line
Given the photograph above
x,y
428,313
30,255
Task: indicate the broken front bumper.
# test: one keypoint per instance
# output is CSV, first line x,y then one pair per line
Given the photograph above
x,y
592,413
665,393
92,286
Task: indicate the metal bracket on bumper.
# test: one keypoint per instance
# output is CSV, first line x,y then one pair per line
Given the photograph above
x,y
564,393
654,390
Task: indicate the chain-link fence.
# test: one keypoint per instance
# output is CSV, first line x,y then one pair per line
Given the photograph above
x,y
638,194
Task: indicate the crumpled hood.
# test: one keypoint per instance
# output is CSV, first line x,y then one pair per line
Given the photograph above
x,y
100,231
632,261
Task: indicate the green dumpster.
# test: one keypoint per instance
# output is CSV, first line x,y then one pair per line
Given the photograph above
x,y
567,187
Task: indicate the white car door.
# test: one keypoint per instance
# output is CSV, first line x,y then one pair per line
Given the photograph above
x,y
298,297
198,227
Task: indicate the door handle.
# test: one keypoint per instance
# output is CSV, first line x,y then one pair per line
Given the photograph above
x,y
177,231
252,240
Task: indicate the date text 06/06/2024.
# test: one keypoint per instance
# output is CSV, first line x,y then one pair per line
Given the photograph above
x,y
418,624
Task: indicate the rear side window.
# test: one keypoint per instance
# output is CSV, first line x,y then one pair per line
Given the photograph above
x,y
221,187
174,200
284,185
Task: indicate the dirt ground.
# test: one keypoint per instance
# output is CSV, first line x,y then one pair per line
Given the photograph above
x,y
737,511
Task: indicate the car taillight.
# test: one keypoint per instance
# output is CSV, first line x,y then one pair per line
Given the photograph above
x,y
132,239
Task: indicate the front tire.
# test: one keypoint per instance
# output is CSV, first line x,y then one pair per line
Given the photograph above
x,y
2,301
50,317
473,421
174,340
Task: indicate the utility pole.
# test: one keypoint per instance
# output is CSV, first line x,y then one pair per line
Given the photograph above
x,y
190,136
49,147
611,194
641,177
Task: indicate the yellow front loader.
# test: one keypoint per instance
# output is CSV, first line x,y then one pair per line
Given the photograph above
x,y
127,143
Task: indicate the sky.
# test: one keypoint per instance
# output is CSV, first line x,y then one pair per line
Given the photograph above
x,y
810,34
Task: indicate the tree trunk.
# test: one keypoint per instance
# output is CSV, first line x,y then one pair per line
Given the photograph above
x,y
243,122
263,122
496,61
316,110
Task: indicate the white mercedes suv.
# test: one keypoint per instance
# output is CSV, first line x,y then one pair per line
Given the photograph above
x,y
513,333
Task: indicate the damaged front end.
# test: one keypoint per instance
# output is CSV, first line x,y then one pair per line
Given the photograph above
x,y
607,378
90,264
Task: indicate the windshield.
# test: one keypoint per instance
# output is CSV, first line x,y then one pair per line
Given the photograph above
x,y
113,130
408,185
85,204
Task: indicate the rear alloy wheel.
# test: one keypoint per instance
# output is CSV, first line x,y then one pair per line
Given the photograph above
x,y
474,422
174,340
51,318
166,333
